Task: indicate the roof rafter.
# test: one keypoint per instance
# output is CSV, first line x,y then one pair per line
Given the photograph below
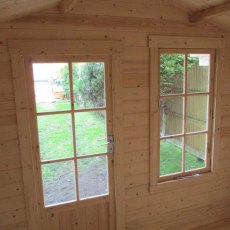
x,y
24,8
205,13
67,5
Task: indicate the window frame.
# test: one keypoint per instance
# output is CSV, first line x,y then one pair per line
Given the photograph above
x,y
208,131
158,44
75,158
21,52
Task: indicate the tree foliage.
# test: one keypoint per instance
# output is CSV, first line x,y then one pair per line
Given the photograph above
x,y
88,84
172,72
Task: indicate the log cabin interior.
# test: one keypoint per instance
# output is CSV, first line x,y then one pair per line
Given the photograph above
x,y
115,114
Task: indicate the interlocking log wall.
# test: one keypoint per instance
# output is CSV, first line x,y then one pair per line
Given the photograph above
x,y
183,205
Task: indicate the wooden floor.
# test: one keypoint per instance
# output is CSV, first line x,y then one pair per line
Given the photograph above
x,y
220,225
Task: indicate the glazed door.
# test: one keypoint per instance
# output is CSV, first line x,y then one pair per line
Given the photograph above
x,y
72,129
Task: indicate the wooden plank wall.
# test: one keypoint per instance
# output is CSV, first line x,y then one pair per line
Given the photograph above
x,y
87,218
172,206
177,206
12,203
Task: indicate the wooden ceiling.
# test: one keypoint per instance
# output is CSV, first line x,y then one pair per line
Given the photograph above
x,y
13,9
216,12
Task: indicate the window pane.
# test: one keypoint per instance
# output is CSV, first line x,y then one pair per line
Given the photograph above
x,y
89,84
170,156
195,146
59,184
55,136
51,83
171,115
198,73
93,177
91,134
171,73
196,115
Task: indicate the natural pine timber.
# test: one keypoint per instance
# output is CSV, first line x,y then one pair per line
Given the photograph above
x,y
22,8
191,203
67,5
209,12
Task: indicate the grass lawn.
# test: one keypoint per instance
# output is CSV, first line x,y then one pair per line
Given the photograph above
x,y
56,140
171,157
55,134
53,106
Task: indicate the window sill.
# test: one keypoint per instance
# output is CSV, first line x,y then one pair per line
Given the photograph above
x,y
181,182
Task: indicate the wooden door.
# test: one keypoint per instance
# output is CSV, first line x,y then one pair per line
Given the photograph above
x,y
71,125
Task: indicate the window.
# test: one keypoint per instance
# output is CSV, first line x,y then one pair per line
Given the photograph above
x,y
182,106
72,129
185,104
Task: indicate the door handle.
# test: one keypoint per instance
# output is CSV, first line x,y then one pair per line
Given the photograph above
x,y
109,143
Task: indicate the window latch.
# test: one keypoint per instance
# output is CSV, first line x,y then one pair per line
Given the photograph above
x,y
109,143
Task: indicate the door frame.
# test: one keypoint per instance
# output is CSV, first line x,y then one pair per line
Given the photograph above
x,y
21,51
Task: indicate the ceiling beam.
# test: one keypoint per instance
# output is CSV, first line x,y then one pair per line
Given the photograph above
x,y
205,13
67,5
20,9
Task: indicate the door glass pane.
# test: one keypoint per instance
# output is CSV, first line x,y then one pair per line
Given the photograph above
x,y
171,73
170,156
59,184
196,114
171,115
198,73
88,84
91,134
51,84
93,177
195,146
55,136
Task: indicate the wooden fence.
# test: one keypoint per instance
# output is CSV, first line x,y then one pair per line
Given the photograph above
x,y
196,111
